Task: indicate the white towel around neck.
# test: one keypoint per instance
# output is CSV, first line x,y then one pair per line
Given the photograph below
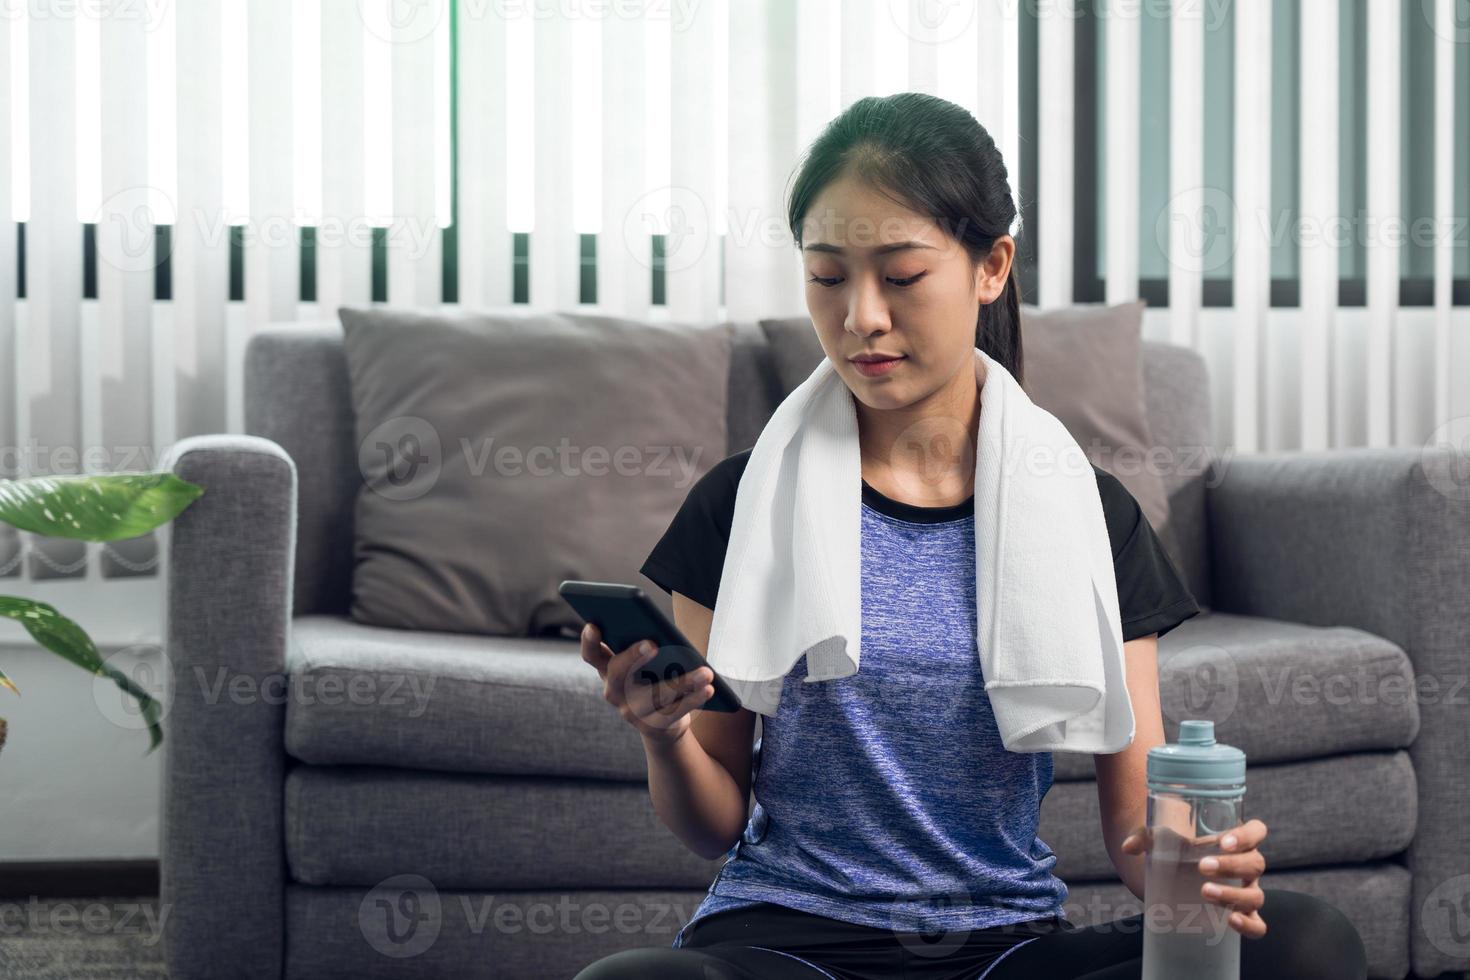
x,y
1050,644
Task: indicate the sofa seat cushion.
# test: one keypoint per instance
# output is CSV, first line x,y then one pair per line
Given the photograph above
x,y
1280,691
1302,803
356,825
459,702
367,695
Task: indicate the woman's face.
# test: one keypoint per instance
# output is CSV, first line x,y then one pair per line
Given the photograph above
x,y
882,279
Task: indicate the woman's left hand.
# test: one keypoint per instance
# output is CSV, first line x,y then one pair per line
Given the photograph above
x,y
1241,859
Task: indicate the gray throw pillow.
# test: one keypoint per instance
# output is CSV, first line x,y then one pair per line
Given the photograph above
x,y
1083,364
503,452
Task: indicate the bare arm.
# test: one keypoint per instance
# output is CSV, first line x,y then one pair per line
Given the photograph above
x,y
1122,792
701,786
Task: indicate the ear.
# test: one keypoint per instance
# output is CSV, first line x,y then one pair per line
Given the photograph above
x,y
993,272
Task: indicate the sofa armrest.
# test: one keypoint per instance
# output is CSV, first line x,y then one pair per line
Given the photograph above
x,y
230,561
1377,539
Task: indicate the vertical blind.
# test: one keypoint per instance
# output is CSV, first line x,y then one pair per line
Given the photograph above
x,y
1286,183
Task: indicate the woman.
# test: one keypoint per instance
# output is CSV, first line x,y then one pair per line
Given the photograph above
x,y
893,834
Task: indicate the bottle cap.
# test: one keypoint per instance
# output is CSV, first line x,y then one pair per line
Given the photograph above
x,y
1205,766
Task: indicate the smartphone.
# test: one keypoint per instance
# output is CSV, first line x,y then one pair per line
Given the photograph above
x,y
626,614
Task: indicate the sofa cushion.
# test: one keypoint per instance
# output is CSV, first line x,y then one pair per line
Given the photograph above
x,y
556,932
421,700
1280,691
501,454
1304,806
356,825
1085,366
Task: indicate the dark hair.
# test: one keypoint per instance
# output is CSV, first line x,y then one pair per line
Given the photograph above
x,y
935,158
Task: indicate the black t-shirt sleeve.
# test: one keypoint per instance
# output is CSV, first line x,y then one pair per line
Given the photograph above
x,y
1152,596
690,556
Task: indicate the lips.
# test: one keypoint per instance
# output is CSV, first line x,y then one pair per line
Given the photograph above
x,y
874,368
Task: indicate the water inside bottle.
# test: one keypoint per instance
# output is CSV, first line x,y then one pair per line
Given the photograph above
x,y
1185,934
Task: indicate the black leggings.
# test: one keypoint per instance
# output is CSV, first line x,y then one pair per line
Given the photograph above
x,y
1306,939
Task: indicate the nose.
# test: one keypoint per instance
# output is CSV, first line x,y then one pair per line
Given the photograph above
x,y
867,314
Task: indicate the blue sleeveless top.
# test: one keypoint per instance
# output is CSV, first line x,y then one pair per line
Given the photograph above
x,y
886,798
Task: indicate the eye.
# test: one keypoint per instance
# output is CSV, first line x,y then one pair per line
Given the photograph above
x,y
897,282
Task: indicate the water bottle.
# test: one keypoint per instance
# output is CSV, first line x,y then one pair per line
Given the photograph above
x,y
1196,792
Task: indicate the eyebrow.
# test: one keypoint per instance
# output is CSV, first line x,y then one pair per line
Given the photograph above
x,y
880,250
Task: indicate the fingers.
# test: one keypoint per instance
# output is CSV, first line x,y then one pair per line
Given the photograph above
x,y
624,672
1138,841
663,705
1244,903
1244,837
1247,867
594,651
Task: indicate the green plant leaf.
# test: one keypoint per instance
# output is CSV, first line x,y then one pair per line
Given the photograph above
x,y
7,682
105,507
68,640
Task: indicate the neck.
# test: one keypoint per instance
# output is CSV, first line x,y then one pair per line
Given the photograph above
x,y
924,453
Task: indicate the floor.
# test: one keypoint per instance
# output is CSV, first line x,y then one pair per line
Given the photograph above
x,y
108,938
111,938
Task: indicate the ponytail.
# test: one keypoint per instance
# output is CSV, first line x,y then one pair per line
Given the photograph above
x,y
998,332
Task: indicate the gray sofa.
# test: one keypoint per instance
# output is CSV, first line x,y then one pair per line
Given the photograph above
x,y
476,809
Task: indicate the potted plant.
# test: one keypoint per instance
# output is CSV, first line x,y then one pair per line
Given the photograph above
x,y
108,507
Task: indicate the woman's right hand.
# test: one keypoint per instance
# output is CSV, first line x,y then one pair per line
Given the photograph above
x,y
660,712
